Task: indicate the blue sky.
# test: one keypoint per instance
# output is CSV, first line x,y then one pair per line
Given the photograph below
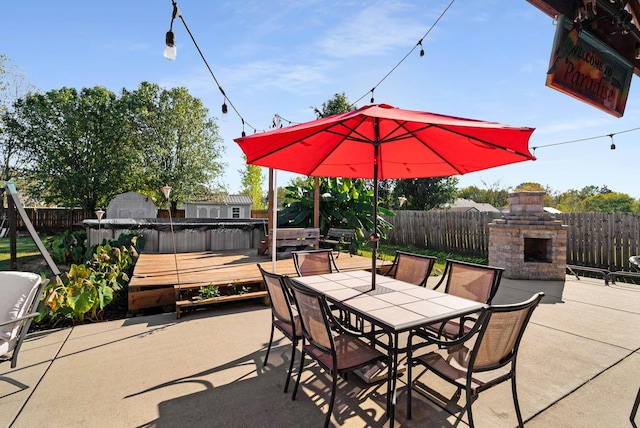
x,y
485,59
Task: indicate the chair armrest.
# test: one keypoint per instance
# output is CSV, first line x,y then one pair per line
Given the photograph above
x,y
17,320
431,338
441,281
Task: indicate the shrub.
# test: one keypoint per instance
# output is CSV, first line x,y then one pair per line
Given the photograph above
x,y
69,247
85,291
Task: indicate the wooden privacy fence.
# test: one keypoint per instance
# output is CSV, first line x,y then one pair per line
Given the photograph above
x,y
455,232
47,220
603,240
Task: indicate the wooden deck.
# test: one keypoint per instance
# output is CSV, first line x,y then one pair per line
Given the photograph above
x,y
154,277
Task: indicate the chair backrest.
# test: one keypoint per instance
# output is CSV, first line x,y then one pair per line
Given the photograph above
x,y
314,262
20,294
18,291
312,309
278,295
472,281
500,334
413,268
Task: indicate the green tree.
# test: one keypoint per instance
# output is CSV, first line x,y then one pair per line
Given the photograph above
x,y
426,193
571,200
609,202
491,194
252,183
337,104
178,144
13,86
78,143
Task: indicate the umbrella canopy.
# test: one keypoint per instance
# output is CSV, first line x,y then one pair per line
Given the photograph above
x,y
384,142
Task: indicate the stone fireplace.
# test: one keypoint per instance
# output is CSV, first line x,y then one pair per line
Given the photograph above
x,y
528,243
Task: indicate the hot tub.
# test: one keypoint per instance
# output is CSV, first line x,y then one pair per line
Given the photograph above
x,y
191,234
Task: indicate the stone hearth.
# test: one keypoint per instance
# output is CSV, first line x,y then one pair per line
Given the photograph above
x,y
528,242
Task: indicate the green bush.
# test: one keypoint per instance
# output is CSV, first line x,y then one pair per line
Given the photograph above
x,y
70,247
85,291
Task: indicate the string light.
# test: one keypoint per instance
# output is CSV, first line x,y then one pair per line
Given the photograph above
x,y
407,55
170,50
177,13
170,53
613,146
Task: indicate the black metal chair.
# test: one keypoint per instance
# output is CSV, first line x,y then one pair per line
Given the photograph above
x,y
469,281
314,262
335,348
412,268
283,317
482,358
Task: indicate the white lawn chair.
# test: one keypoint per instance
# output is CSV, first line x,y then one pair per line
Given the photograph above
x,y
20,293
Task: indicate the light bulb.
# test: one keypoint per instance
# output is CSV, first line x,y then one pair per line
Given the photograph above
x,y
170,51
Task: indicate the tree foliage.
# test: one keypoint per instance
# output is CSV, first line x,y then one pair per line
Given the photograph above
x,y
13,86
87,146
344,203
609,202
178,144
491,194
571,200
337,104
426,193
252,183
78,144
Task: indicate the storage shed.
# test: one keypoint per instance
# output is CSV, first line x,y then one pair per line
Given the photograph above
x,y
225,206
131,205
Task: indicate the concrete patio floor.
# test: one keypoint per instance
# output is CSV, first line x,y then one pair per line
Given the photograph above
x,y
579,366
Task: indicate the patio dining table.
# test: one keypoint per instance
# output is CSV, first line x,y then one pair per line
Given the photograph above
x,y
393,306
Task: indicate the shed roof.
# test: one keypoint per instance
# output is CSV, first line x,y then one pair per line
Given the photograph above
x,y
225,200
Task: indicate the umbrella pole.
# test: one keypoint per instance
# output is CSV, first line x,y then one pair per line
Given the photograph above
x,y
374,235
274,230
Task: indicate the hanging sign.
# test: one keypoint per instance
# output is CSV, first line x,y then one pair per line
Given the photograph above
x,y
585,68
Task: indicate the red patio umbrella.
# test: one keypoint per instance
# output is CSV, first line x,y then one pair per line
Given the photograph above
x,y
384,142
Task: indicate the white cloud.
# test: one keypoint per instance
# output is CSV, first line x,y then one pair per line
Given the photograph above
x,y
375,30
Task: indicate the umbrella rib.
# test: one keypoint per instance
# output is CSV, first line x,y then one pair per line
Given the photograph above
x,y
488,143
493,145
296,141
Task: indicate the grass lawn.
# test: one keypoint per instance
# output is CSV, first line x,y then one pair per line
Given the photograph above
x,y
388,252
26,250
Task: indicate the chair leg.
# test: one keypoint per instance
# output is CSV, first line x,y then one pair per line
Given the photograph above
x,y
293,357
515,401
334,385
634,410
266,357
468,407
295,387
409,385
